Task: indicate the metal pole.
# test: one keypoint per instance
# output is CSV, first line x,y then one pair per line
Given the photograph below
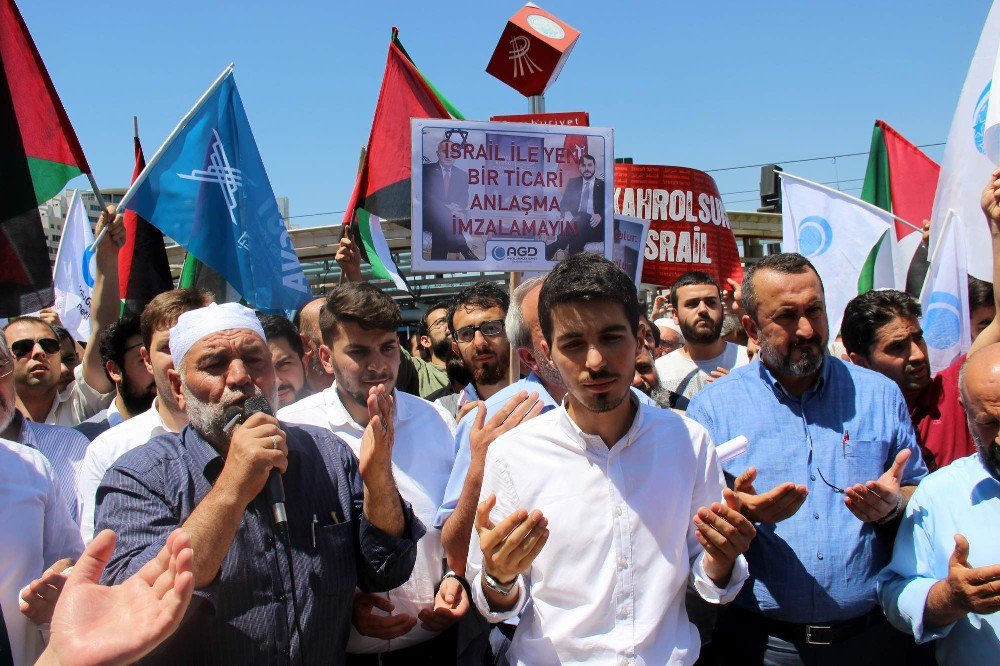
x,y
537,103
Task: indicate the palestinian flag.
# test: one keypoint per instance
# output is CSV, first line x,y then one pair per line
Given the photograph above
x,y
195,274
900,179
370,239
39,154
383,184
143,268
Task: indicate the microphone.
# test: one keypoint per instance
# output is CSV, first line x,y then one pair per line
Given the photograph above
x,y
275,489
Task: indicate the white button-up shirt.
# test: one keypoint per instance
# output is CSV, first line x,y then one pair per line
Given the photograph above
x,y
37,531
77,402
422,457
608,587
104,451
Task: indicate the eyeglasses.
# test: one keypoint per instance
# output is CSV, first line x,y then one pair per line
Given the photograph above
x,y
22,348
489,329
6,369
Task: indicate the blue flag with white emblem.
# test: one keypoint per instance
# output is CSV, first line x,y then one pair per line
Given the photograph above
x,y
206,188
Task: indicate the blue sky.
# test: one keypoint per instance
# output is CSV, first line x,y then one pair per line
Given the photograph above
x,y
704,84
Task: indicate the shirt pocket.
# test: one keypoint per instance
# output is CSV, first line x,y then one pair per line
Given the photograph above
x,y
336,564
864,460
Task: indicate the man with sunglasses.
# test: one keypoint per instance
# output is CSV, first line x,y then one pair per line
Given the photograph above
x,y
37,361
832,462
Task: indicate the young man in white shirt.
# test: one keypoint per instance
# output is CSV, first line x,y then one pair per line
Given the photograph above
x,y
596,514
705,356
408,624
162,417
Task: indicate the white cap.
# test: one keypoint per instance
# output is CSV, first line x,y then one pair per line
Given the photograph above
x,y
194,325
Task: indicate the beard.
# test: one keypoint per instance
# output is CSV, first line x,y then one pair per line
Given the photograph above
x,y
442,349
547,369
209,418
7,408
355,388
605,402
700,335
809,362
136,400
989,453
488,374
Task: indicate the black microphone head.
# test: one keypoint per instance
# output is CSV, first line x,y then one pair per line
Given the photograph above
x,y
232,411
254,404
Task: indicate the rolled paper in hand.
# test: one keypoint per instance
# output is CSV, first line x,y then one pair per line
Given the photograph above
x,y
734,448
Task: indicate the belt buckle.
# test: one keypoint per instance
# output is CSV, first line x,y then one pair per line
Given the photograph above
x,y
816,641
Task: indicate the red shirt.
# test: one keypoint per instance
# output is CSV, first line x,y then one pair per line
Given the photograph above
x,y
939,420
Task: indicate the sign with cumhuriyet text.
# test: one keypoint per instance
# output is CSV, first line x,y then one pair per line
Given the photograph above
x,y
689,229
565,118
508,196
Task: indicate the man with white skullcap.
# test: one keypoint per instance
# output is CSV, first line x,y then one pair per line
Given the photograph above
x,y
258,598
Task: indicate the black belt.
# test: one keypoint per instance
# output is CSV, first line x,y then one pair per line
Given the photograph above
x,y
822,633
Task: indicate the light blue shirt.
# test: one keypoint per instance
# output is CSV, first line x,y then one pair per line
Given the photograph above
x,y
962,498
64,448
463,455
819,565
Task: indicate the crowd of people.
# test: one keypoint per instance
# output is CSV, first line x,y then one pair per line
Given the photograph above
x,y
206,484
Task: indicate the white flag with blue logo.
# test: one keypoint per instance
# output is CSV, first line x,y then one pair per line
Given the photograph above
x,y
834,231
945,298
966,169
206,188
73,275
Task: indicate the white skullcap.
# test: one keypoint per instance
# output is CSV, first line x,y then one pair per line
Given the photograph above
x,y
669,323
194,325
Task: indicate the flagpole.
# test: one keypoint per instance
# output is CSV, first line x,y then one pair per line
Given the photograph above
x,y
100,202
865,204
949,216
159,153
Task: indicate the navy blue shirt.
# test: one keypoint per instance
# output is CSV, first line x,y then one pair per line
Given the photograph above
x,y
245,616
819,565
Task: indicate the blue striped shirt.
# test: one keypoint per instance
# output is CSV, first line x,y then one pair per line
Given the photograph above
x,y
246,615
64,448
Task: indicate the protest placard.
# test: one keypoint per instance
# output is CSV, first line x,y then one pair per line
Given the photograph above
x,y
630,239
508,196
689,229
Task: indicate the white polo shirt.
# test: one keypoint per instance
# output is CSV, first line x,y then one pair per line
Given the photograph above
x,y
104,451
422,458
608,586
37,531
77,402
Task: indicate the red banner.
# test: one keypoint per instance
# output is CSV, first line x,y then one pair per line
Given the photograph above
x,y
570,118
689,229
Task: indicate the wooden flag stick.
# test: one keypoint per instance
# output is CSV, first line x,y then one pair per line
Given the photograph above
x,y
101,203
515,360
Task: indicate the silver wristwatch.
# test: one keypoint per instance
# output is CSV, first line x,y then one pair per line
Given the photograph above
x,y
503,589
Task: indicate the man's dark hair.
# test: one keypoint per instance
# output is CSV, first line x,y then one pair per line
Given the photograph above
x,y
277,327
61,333
113,342
588,156
869,312
163,311
360,303
690,278
482,295
980,293
789,263
587,278
425,325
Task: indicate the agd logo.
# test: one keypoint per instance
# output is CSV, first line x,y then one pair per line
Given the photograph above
x,y
815,236
516,252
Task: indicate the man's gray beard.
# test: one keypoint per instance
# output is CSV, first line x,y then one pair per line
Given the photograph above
x,y
546,369
209,419
805,366
989,454
6,413
661,396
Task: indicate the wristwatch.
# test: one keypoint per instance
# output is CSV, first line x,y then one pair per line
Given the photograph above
x,y
503,589
892,515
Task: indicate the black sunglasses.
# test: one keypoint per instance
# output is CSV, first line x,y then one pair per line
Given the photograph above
x,y
22,348
489,329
